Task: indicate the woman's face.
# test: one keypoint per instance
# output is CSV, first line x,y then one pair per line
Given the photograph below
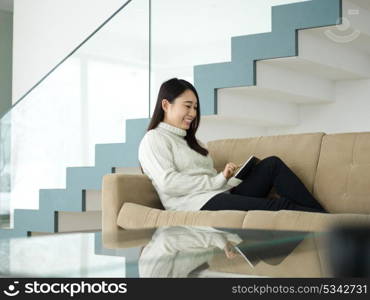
x,y
182,111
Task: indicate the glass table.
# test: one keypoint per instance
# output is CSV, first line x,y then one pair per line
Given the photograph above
x,y
177,251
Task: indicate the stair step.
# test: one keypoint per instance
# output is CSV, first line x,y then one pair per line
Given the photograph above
x,y
123,154
106,153
220,75
135,130
277,81
258,46
86,177
213,127
79,221
112,155
257,110
306,14
278,87
61,199
29,221
35,220
8,233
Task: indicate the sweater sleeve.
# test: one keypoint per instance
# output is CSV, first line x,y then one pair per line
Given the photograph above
x,y
156,156
229,182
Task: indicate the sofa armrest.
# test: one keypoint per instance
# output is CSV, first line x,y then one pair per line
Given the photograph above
x,y
118,189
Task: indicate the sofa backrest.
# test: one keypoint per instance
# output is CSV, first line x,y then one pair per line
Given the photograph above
x,y
300,152
342,182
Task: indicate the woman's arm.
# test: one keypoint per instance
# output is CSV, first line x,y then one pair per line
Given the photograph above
x,y
156,155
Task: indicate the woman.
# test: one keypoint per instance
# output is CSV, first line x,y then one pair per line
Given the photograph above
x,y
182,172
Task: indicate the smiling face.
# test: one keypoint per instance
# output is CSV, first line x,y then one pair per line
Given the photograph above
x,y
182,111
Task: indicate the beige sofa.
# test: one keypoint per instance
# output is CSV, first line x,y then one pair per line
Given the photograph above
x,y
334,167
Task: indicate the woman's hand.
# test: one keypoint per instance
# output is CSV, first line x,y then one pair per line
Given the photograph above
x,y
229,170
229,251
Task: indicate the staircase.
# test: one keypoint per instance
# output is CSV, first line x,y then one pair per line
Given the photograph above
x,y
261,91
274,78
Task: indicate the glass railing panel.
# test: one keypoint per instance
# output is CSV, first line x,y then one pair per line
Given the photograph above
x,y
83,102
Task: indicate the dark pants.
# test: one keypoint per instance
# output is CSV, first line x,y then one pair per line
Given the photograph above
x,y
252,192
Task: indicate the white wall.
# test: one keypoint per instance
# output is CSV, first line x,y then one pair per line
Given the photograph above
x,y
45,31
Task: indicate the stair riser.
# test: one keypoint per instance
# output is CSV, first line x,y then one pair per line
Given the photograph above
x,y
36,220
86,177
222,128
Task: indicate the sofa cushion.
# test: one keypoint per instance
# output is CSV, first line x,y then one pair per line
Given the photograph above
x,y
300,220
342,182
134,216
299,151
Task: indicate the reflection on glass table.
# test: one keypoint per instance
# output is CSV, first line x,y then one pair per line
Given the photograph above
x,y
181,251
184,251
57,255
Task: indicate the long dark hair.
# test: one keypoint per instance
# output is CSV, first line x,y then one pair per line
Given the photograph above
x,y
170,90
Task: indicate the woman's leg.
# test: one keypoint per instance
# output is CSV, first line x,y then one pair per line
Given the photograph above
x,y
224,201
272,171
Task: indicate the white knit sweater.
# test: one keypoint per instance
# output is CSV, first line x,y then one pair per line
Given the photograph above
x,y
183,178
